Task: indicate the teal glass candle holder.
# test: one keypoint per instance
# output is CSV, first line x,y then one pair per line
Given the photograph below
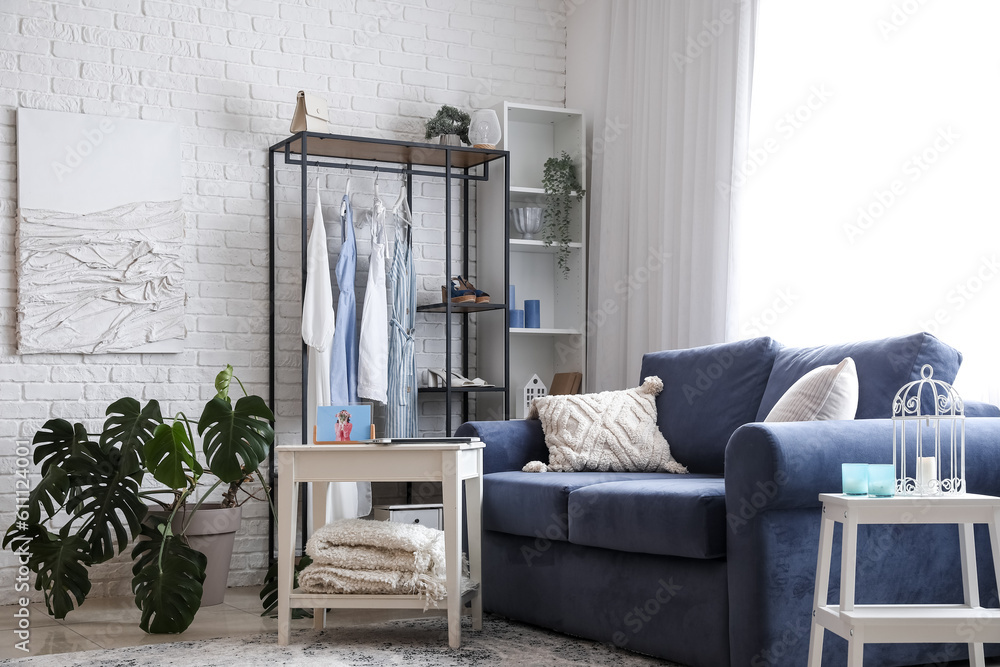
x,y
855,479
881,480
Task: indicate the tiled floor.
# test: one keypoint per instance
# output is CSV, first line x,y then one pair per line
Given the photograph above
x,y
114,622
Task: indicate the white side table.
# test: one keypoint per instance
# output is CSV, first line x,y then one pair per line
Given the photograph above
x,y
450,463
861,624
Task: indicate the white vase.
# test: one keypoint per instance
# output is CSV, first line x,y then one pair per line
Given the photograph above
x,y
527,220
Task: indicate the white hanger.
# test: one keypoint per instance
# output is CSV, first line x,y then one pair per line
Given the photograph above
x,y
347,194
401,204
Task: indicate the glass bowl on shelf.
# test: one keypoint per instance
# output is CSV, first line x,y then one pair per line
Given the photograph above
x,y
527,220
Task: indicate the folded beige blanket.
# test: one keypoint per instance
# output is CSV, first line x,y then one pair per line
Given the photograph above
x,y
381,545
362,557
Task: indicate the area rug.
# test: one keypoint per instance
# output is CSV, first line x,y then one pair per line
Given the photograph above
x,y
420,642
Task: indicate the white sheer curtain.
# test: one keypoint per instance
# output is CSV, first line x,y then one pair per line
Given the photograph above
x,y
664,148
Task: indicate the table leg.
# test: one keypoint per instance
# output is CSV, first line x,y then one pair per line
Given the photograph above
x,y
856,648
474,503
452,496
319,494
970,583
823,561
848,561
286,548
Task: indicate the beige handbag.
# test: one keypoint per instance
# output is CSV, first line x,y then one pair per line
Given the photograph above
x,y
311,114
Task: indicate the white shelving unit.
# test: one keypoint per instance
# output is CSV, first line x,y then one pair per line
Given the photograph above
x,y
533,134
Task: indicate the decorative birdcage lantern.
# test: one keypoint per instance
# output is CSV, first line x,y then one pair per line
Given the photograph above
x,y
923,409
534,389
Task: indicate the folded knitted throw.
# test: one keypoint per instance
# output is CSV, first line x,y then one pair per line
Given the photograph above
x,y
362,557
382,545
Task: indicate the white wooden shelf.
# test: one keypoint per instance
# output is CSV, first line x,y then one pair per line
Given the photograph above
x,y
304,600
533,134
547,332
537,245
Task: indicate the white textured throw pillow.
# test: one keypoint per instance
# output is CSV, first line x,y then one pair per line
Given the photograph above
x,y
612,431
827,392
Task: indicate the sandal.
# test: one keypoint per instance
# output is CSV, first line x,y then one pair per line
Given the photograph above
x,y
481,296
458,295
436,376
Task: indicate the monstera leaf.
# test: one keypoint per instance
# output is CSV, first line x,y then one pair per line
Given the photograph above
x,y
56,442
269,594
167,581
106,493
50,492
235,440
128,428
222,382
170,455
60,562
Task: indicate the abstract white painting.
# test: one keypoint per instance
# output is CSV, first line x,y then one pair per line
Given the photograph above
x,y
100,234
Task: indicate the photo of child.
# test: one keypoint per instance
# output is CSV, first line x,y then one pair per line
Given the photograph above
x,y
342,429
337,424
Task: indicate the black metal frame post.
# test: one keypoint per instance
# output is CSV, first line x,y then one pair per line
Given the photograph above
x,y
506,280
271,472
447,290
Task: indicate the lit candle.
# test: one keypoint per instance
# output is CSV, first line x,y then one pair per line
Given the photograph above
x,y
881,480
926,472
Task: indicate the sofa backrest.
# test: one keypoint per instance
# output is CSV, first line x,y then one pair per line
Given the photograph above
x,y
883,367
708,393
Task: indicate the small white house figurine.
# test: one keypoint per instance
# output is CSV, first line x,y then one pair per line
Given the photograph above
x,y
534,389
935,409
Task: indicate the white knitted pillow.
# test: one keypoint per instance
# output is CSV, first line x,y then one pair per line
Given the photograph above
x,y
612,431
827,392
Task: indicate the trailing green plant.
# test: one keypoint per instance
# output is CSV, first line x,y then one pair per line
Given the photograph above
x,y
96,479
561,187
449,120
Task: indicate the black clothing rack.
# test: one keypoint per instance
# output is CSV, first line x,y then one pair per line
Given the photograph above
x,y
407,158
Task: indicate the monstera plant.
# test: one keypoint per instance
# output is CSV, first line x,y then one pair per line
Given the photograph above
x,y
97,480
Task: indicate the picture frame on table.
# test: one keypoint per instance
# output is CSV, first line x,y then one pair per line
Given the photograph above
x,y
343,424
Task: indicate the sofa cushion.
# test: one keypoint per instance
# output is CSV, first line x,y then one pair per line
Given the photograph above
x,y
709,392
683,516
883,367
824,393
537,504
608,431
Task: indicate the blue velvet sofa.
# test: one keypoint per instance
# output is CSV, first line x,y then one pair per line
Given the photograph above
x,y
717,567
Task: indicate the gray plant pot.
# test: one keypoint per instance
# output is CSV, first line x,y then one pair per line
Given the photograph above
x,y
450,140
212,531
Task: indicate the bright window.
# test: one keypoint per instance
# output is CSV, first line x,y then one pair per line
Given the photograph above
x,y
868,205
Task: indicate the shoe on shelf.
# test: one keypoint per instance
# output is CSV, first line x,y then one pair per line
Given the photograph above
x,y
458,295
481,296
436,379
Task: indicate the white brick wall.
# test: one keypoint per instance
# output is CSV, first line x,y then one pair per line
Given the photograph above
x,y
227,71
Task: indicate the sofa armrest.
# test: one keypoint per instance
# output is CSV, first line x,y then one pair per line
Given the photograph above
x,y
787,465
509,444
981,409
774,473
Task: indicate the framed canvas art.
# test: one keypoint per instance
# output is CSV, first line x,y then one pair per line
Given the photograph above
x,y
100,234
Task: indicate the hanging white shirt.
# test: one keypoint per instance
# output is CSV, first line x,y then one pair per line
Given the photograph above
x,y
373,350
318,318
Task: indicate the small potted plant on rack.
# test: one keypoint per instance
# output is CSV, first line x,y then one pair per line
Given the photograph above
x,y
451,124
561,187
97,480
